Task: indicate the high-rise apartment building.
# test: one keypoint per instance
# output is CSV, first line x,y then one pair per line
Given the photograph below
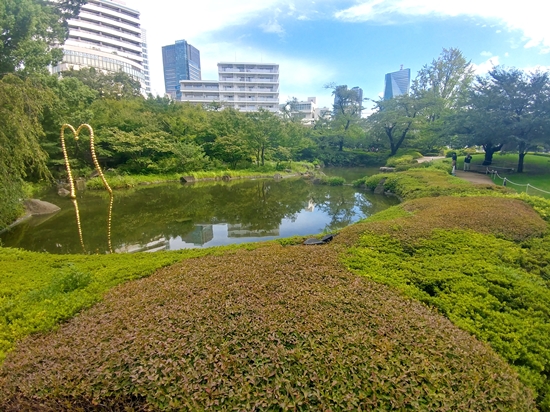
x,y
145,55
397,83
243,86
181,61
107,36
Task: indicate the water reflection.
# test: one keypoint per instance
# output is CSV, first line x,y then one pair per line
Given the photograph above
x,y
174,216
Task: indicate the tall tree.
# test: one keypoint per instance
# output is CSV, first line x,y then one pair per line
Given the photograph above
x,y
512,106
264,133
31,33
346,113
443,85
397,119
21,106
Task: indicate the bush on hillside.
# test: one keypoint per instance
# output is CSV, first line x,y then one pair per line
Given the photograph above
x,y
270,329
463,256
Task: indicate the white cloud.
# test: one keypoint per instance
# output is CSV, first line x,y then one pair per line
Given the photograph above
x,y
273,26
486,53
534,25
483,68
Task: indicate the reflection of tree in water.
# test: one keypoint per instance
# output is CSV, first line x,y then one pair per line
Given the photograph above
x,y
172,210
338,204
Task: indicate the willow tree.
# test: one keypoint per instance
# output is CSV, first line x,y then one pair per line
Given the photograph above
x,y
21,106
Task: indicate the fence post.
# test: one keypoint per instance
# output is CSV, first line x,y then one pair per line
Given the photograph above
x,y
504,182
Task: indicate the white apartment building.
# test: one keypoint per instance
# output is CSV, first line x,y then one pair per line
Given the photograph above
x,y
105,35
243,86
306,111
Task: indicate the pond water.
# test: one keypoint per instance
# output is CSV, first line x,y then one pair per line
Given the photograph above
x,y
174,216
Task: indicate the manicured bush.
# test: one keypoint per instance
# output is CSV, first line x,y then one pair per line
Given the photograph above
x,y
400,160
39,290
481,261
329,180
270,329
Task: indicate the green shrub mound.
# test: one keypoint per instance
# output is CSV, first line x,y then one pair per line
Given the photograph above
x,y
40,290
275,328
482,262
427,181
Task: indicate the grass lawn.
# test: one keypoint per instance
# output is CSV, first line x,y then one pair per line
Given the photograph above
x,y
536,172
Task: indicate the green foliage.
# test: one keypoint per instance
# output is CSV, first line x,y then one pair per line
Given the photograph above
x,y
21,105
451,254
426,181
273,328
400,160
38,291
32,31
329,180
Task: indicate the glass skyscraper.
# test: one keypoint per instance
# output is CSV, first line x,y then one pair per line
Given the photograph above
x,y
397,83
181,61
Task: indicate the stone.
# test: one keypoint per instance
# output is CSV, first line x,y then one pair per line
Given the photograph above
x,y
379,190
187,179
38,207
277,176
63,192
313,241
387,169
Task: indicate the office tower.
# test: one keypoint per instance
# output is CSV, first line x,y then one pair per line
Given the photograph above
x,y
243,86
181,61
397,83
105,35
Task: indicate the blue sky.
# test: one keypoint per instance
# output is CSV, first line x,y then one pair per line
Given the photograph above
x,y
346,42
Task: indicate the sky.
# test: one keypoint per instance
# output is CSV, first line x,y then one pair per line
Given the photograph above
x,y
346,42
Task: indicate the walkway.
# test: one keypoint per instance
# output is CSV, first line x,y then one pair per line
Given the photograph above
x,y
472,177
475,177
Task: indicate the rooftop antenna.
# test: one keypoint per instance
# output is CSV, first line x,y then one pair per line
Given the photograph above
x,y
401,67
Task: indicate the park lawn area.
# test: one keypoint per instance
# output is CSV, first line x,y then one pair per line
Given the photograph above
x,y
536,172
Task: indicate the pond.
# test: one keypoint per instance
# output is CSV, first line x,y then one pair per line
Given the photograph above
x,y
174,216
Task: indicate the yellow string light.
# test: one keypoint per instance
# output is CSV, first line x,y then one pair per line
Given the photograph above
x,y
71,180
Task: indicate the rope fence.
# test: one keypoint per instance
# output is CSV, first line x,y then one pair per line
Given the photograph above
x,y
506,181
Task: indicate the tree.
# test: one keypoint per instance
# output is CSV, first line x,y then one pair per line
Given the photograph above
x,y
117,85
347,109
443,86
264,133
21,106
397,119
32,31
512,106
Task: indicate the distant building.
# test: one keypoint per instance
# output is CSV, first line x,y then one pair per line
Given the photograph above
x,y
397,83
306,111
243,86
145,55
181,61
107,36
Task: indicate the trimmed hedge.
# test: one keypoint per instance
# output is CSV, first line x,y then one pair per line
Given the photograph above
x,y
481,261
38,290
270,329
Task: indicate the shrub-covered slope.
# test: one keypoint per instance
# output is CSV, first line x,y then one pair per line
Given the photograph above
x,y
276,328
481,261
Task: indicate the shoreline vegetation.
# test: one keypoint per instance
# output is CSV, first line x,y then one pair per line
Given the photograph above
x,y
471,255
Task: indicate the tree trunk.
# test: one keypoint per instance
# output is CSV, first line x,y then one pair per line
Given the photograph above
x,y
341,144
263,155
520,162
489,151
